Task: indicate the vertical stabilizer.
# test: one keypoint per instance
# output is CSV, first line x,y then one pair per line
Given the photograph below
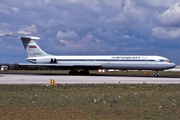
x,y
32,49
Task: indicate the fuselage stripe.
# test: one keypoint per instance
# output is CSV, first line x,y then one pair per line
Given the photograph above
x,y
101,60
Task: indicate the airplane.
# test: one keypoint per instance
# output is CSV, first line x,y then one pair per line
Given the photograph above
x,y
82,64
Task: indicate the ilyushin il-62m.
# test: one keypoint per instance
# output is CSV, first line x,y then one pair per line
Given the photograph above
x,y
82,64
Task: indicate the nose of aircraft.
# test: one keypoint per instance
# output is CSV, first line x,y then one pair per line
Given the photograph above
x,y
173,65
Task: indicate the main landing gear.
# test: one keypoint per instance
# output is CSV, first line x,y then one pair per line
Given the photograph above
x,y
156,74
76,72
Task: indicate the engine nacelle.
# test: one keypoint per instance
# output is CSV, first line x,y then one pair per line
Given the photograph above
x,y
53,60
46,60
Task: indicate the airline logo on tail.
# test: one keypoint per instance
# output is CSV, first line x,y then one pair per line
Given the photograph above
x,y
32,45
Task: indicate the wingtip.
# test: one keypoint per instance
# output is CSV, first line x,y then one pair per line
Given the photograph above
x,y
7,34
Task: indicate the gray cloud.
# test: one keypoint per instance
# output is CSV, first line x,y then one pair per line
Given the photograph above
x,y
69,35
93,27
27,30
171,17
164,34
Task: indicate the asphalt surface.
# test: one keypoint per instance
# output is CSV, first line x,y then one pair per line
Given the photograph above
x,y
67,79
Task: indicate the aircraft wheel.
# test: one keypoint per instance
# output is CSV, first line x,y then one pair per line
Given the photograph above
x,y
73,72
156,75
84,72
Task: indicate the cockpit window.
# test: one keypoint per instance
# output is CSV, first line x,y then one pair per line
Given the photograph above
x,y
168,61
165,60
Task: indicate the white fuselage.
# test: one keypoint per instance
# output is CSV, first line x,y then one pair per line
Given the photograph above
x,y
108,62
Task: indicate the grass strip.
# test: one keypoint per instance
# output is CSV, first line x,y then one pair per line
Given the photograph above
x,y
90,101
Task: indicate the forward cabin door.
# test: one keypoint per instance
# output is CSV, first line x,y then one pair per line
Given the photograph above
x,y
146,61
108,61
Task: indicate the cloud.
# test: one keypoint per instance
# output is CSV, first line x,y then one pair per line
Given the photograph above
x,y
4,29
4,9
8,10
92,5
2,33
171,17
69,35
15,9
94,27
28,30
157,4
126,36
86,44
161,33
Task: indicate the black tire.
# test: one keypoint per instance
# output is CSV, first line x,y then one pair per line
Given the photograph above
x,y
84,72
73,72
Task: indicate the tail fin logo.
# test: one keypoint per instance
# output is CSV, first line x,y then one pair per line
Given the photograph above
x,y
32,46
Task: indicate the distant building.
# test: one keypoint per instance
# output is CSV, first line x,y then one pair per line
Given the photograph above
x,y
177,68
4,68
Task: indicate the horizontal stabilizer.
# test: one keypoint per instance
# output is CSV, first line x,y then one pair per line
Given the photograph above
x,y
24,37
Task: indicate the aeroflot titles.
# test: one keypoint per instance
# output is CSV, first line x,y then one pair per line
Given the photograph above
x,y
125,57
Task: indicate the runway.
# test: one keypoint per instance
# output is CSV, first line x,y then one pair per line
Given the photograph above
x,y
66,79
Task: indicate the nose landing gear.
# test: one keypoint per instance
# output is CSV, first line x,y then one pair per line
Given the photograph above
x,y
156,74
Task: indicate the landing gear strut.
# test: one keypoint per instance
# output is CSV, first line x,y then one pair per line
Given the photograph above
x,y
84,72
156,74
73,72
76,72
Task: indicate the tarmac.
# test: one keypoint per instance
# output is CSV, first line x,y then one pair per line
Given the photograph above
x,y
68,79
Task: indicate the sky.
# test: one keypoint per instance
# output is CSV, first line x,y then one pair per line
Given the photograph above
x,y
91,27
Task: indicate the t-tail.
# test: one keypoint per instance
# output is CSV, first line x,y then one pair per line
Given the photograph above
x,y
32,49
